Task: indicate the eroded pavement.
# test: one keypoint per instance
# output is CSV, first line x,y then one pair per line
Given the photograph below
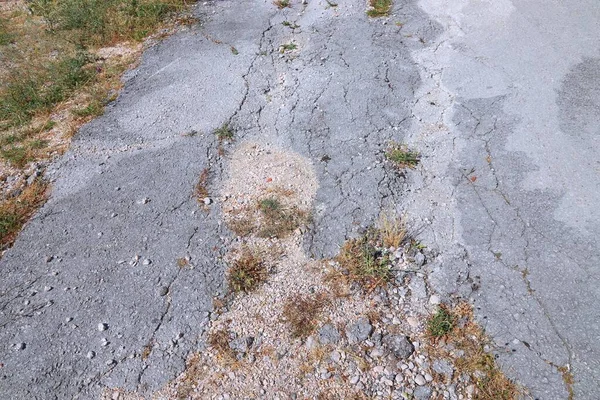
x,y
501,98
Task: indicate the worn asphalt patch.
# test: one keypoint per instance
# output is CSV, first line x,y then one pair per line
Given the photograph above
x,y
507,194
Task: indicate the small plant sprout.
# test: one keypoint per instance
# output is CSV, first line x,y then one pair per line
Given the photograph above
x,y
401,156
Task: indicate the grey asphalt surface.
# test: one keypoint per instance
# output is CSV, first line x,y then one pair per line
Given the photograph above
x,y
504,92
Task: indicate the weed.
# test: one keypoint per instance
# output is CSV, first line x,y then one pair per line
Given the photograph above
x,y
331,3
290,25
441,323
224,132
365,262
461,332
247,272
277,220
15,211
379,8
302,313
287,47
402,157
282,3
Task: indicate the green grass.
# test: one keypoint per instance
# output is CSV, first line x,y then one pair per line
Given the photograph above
x,y
441,323
17,156
224,132
28,92
105,21
94,109
287,47
402,157
379,8
5,36
282,3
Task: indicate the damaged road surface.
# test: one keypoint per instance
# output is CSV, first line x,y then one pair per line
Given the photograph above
x,y
111,284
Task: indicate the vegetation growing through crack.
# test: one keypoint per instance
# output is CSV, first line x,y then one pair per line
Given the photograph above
x,y
224,132
379,8
401,156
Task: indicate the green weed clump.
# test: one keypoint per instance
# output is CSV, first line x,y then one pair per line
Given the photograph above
x,y
379,8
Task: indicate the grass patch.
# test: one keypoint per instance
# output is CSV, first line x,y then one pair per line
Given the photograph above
x,y
278,220
95,22
282,3
379,8
247,272
462,333
402,157
28,92
441,323
15,211
301,313
363,260
224,132
17,156
5,36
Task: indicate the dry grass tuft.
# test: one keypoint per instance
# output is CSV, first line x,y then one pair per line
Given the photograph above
x,y
201,189
466,335
219,341
193,372
15,211
391,230
247,272
302,313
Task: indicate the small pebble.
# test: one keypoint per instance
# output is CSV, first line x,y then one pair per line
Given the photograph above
x,y
207,201
147,262
420,380
20,346
47,288
163,291
90,354
102,326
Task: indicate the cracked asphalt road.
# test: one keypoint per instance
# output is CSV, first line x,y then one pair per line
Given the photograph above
x,y
501,97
